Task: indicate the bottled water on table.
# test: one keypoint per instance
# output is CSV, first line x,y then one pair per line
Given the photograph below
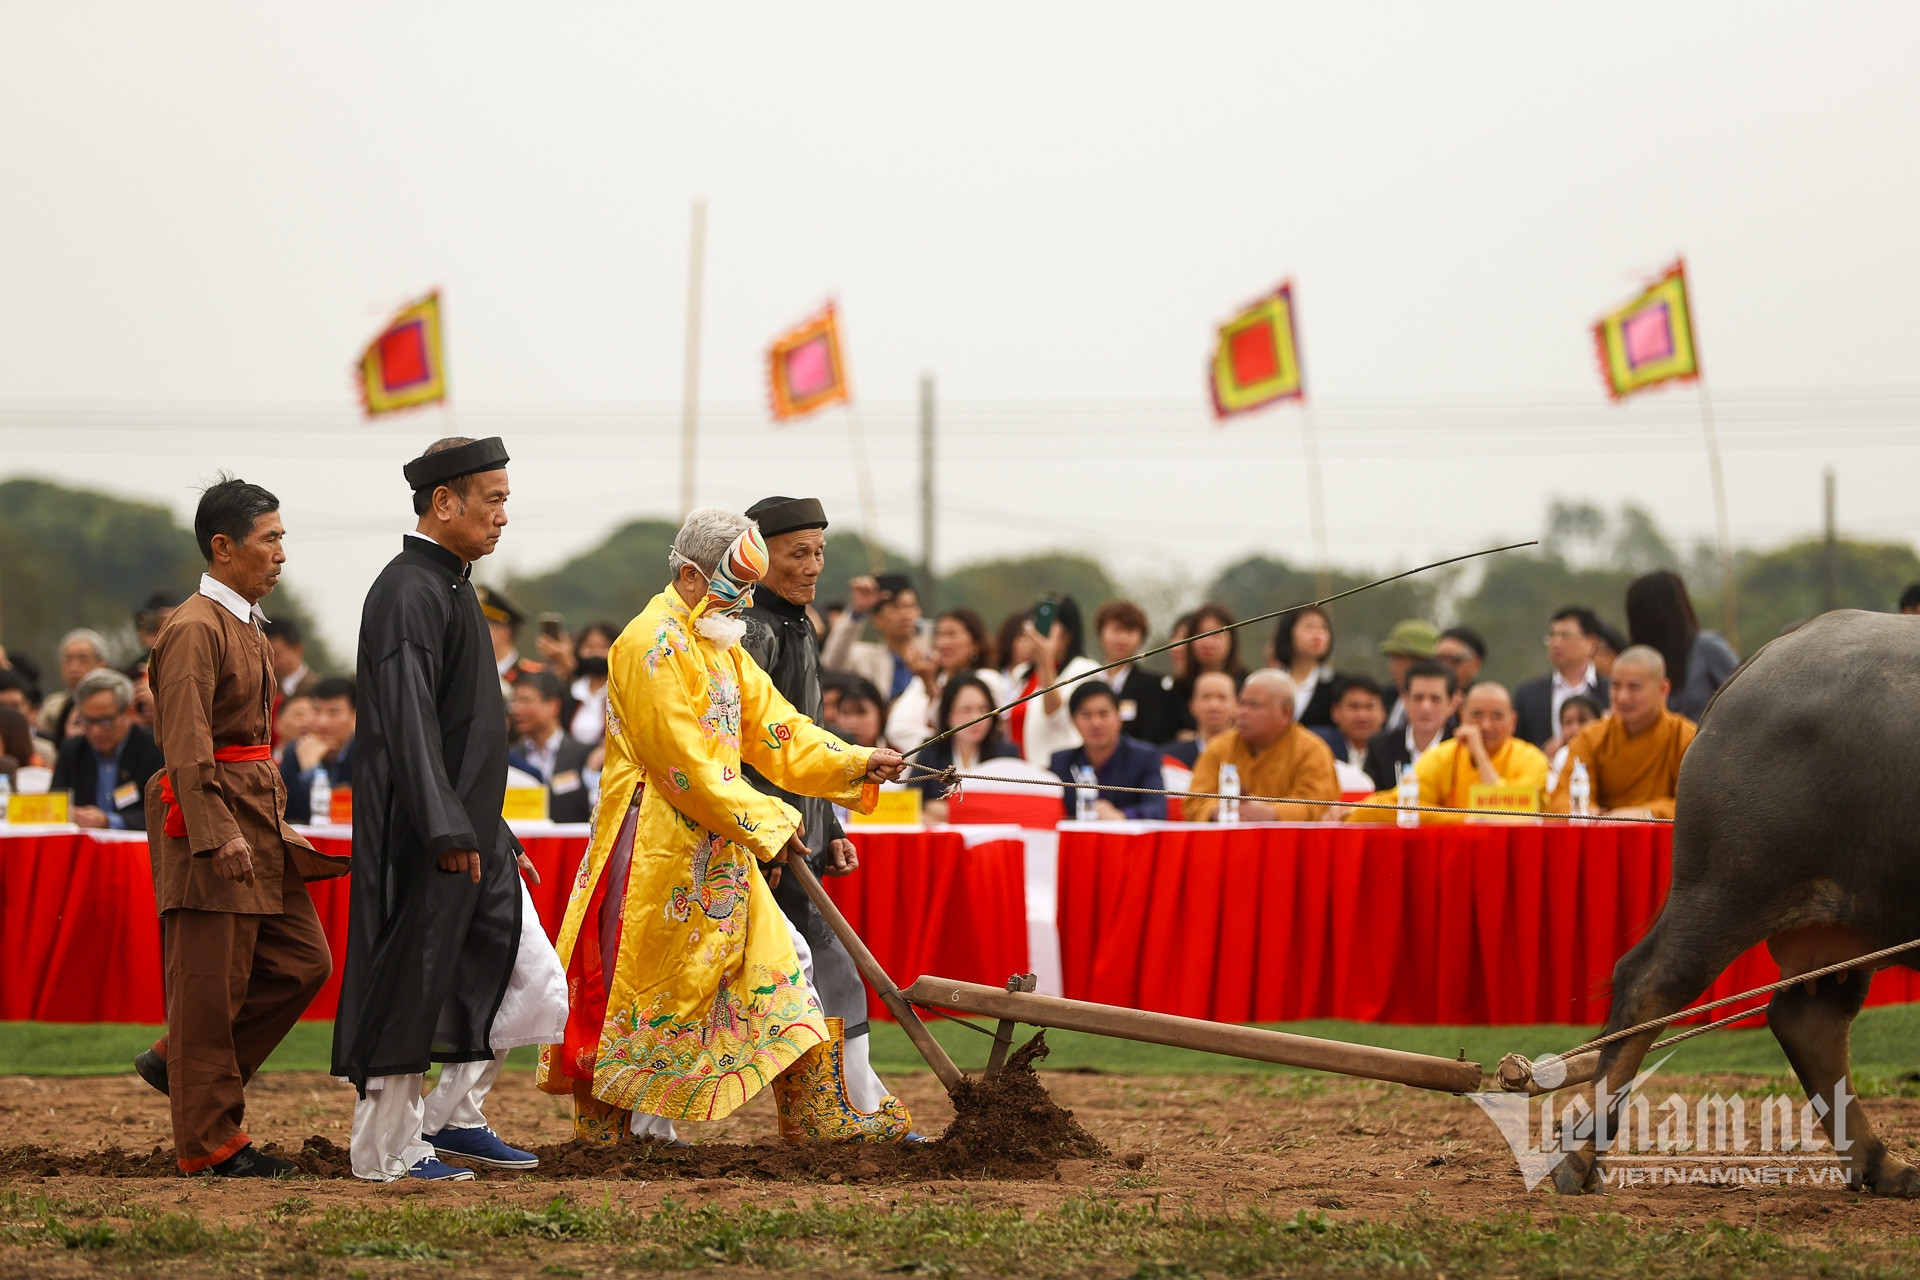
x,y
1086,800
1407,796
1230,788
320,798
1580,790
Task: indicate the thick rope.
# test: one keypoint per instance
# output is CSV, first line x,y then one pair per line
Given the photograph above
x,y
1231,626
951,777
1724,1001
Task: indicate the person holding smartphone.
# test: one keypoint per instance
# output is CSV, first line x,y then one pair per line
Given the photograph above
x,y
1044,725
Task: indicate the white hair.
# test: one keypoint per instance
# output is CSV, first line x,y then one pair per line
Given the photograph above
x,y
105,680
92,637
1283,685
704,537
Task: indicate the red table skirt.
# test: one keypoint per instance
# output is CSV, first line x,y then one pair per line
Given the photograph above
x,y
80,939
1481,925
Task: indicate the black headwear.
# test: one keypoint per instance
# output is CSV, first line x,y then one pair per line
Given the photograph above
x,y
431,469
776,516
497,607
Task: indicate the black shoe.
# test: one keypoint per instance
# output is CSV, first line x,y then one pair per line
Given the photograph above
x,y
152,1068
248,1163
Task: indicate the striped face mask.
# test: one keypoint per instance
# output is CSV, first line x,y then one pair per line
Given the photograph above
x,y
730,588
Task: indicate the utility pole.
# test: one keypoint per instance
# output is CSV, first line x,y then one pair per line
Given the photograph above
x,y
690,388
928,589
1830,561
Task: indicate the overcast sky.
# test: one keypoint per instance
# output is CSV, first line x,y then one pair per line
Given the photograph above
x,y
206,210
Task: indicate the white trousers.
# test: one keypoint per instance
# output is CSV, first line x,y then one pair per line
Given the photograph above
x,y
864,1089
388,1122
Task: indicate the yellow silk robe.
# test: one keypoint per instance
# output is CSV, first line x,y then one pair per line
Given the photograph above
x,y
707,1002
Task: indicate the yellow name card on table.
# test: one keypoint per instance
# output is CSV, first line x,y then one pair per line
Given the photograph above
x,y
51,809
895,808
1504,800
524,804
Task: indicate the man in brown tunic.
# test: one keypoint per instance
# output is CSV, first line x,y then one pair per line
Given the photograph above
x,y
243,948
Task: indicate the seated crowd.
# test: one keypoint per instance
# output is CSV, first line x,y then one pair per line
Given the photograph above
x,y
1602,731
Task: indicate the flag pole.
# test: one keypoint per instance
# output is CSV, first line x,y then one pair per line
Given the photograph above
x,y
863,478
690,386
1729,606
1316,498
926,491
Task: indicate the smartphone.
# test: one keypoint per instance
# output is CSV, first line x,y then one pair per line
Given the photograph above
x,y
550,624
1044,613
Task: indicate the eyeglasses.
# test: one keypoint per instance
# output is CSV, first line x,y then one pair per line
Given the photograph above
x,y
98,722
1452,659
1551,636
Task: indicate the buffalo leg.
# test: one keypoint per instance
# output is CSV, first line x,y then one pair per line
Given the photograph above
x,y
1667,969
1812,1026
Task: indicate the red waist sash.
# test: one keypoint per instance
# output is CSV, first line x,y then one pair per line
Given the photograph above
x,y
176,824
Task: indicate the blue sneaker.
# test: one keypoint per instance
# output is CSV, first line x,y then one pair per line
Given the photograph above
x,y
481,1146
439,1171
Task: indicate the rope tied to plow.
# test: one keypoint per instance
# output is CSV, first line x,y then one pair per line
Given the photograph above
x,y
951,777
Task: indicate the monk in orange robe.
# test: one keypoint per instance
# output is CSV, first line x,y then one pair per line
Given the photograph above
x,y
1633,755
1275,757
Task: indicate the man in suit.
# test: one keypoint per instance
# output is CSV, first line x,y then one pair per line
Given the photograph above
x,y
1116,759
546,750
328,745
1149,708
1359,712
1216,697
290,669
1431,699
890,600
106,765
1572,638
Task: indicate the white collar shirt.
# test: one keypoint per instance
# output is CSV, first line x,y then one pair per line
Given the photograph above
x,y
545,755
1562,691
230,600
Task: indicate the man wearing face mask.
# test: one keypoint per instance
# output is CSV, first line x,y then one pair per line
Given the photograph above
x,y
691,992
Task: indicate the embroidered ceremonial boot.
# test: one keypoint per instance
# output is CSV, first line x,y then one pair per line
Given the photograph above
x,y
811,1096
594,1120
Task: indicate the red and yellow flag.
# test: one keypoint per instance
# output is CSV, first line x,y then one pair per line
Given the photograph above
x,y
804,368
405,366
1649,340
1256,360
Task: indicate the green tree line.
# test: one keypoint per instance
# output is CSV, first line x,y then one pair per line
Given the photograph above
x,y
75,558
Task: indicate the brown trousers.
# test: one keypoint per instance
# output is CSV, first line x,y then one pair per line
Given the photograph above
x,y
236,984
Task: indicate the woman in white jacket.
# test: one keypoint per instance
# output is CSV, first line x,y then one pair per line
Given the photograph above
x,y
961,646
1044,726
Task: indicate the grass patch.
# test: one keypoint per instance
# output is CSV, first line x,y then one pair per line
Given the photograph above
x,y
1886,1046
136,1231
914,1237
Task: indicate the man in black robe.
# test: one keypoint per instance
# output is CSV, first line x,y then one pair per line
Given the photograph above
x,y
781,639
439,967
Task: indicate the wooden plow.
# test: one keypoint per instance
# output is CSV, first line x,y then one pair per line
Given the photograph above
x,y
1017,1002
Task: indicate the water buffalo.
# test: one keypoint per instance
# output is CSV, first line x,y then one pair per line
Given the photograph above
x,y
1798,824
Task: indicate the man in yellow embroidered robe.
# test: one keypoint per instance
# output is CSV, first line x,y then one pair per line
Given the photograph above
x,y
1632,756
671,928
1482,752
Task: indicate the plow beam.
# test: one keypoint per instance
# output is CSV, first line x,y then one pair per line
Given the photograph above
x,y
1417,1069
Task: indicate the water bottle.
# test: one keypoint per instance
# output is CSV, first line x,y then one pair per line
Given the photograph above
x,y
1407,795
320,799
6,793
1580,790
1230,788
1086,802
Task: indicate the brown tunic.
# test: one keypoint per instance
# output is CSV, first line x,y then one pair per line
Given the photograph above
x,y
212,678
1296,763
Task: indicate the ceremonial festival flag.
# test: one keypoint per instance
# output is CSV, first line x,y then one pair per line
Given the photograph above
x,y
1650,339
804,368
1257,358
405,366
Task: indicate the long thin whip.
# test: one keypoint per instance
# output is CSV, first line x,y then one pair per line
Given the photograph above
x,y
1231,626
